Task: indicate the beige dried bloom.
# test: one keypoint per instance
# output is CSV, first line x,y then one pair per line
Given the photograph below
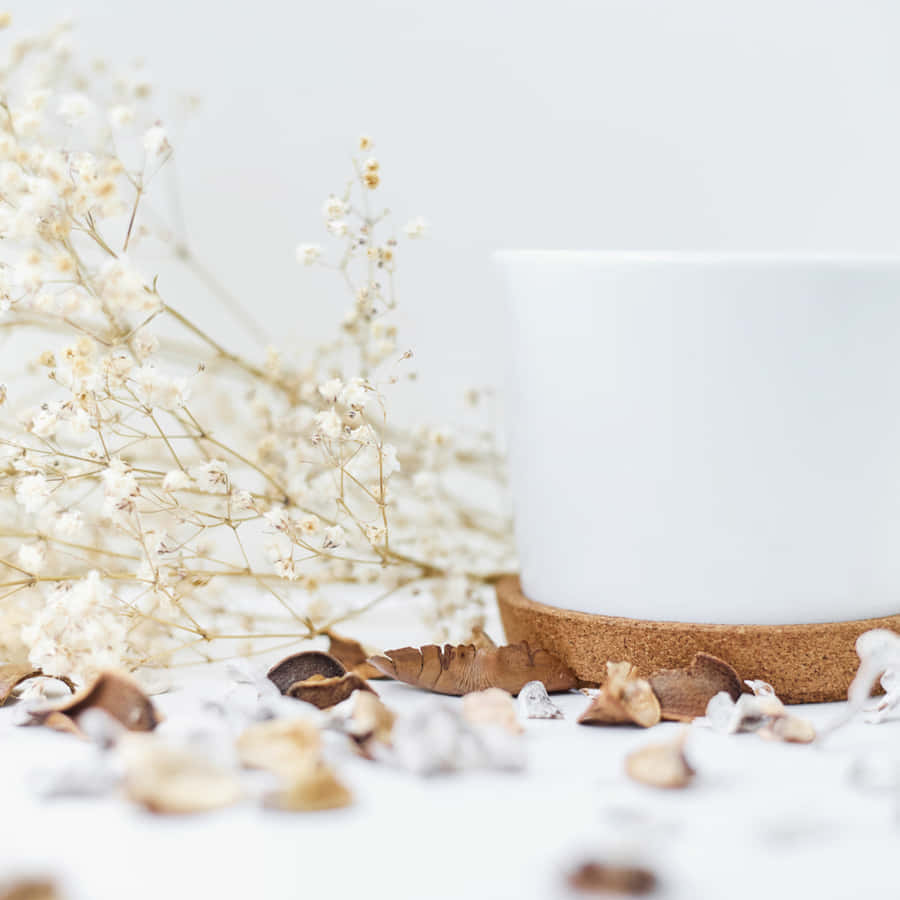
x,y
162,492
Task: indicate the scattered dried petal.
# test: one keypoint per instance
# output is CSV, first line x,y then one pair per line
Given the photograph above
x,y
281,746
660,765
464,668
624,698
115,693
883,710
352,655
301,666
166,780
684,693
535,702
327,692
311,788
791,729
11,676
30,889
612,878
491,707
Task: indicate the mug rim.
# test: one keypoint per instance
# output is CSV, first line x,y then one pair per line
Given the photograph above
x,y
818,258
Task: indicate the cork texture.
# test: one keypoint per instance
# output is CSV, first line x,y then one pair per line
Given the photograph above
x,y
804,663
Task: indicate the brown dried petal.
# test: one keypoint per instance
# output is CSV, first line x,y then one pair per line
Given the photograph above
x,y
327,692
660,765
465,668
11,676
281,745
116,693
491,707
31,889
624,698
300,666
609,878
314,787
352,655
166,780
684,693
791,729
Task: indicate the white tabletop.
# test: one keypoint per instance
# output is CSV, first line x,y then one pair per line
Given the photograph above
x,y
760,820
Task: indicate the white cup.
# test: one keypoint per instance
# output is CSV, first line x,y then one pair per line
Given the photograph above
x,y
706,437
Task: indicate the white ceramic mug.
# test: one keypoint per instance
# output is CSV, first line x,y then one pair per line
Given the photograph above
x,y
707,437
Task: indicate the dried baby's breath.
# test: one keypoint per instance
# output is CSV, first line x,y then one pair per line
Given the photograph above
x,y
164,494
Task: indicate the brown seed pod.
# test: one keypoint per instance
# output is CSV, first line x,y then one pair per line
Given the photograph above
x,y
465,668
327,692
684,693
609,878
300,666
116,693
660,765
623,699
11,676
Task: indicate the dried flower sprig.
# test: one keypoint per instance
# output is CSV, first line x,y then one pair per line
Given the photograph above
x,y
146,466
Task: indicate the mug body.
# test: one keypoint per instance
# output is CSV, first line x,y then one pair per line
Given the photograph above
x,y
709,438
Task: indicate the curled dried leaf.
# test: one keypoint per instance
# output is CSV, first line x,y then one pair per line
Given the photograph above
x,y
684,693
491,707
624,698
301,666
279,745
535,703
465,668
311,788
11,676
165,780
327,692
116,693
662,765
352,656
611,878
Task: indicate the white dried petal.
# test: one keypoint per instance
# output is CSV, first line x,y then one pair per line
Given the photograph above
x,y
494,707
534,702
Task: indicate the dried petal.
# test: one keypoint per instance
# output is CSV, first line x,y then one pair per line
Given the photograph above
x,y
352,655
327,692
166,780
660,765
684,693
612,878
11,676
465,668
311,788
791,729
535,702
890,684
491,707
116,693
30,889
300,666
281,746
624,698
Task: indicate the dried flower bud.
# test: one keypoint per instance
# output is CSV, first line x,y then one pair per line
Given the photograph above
x,y
491,707
660,765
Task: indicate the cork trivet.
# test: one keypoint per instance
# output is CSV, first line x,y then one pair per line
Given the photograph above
x,y
804,663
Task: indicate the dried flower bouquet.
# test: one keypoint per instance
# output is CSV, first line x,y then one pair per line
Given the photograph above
x,y
161,492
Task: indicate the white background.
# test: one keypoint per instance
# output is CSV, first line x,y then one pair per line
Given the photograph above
x,y
595,124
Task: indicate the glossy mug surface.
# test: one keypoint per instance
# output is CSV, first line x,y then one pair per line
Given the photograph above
x,y
706,437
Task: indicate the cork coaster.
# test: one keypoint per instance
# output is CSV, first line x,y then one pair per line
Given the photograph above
x,y
804,663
